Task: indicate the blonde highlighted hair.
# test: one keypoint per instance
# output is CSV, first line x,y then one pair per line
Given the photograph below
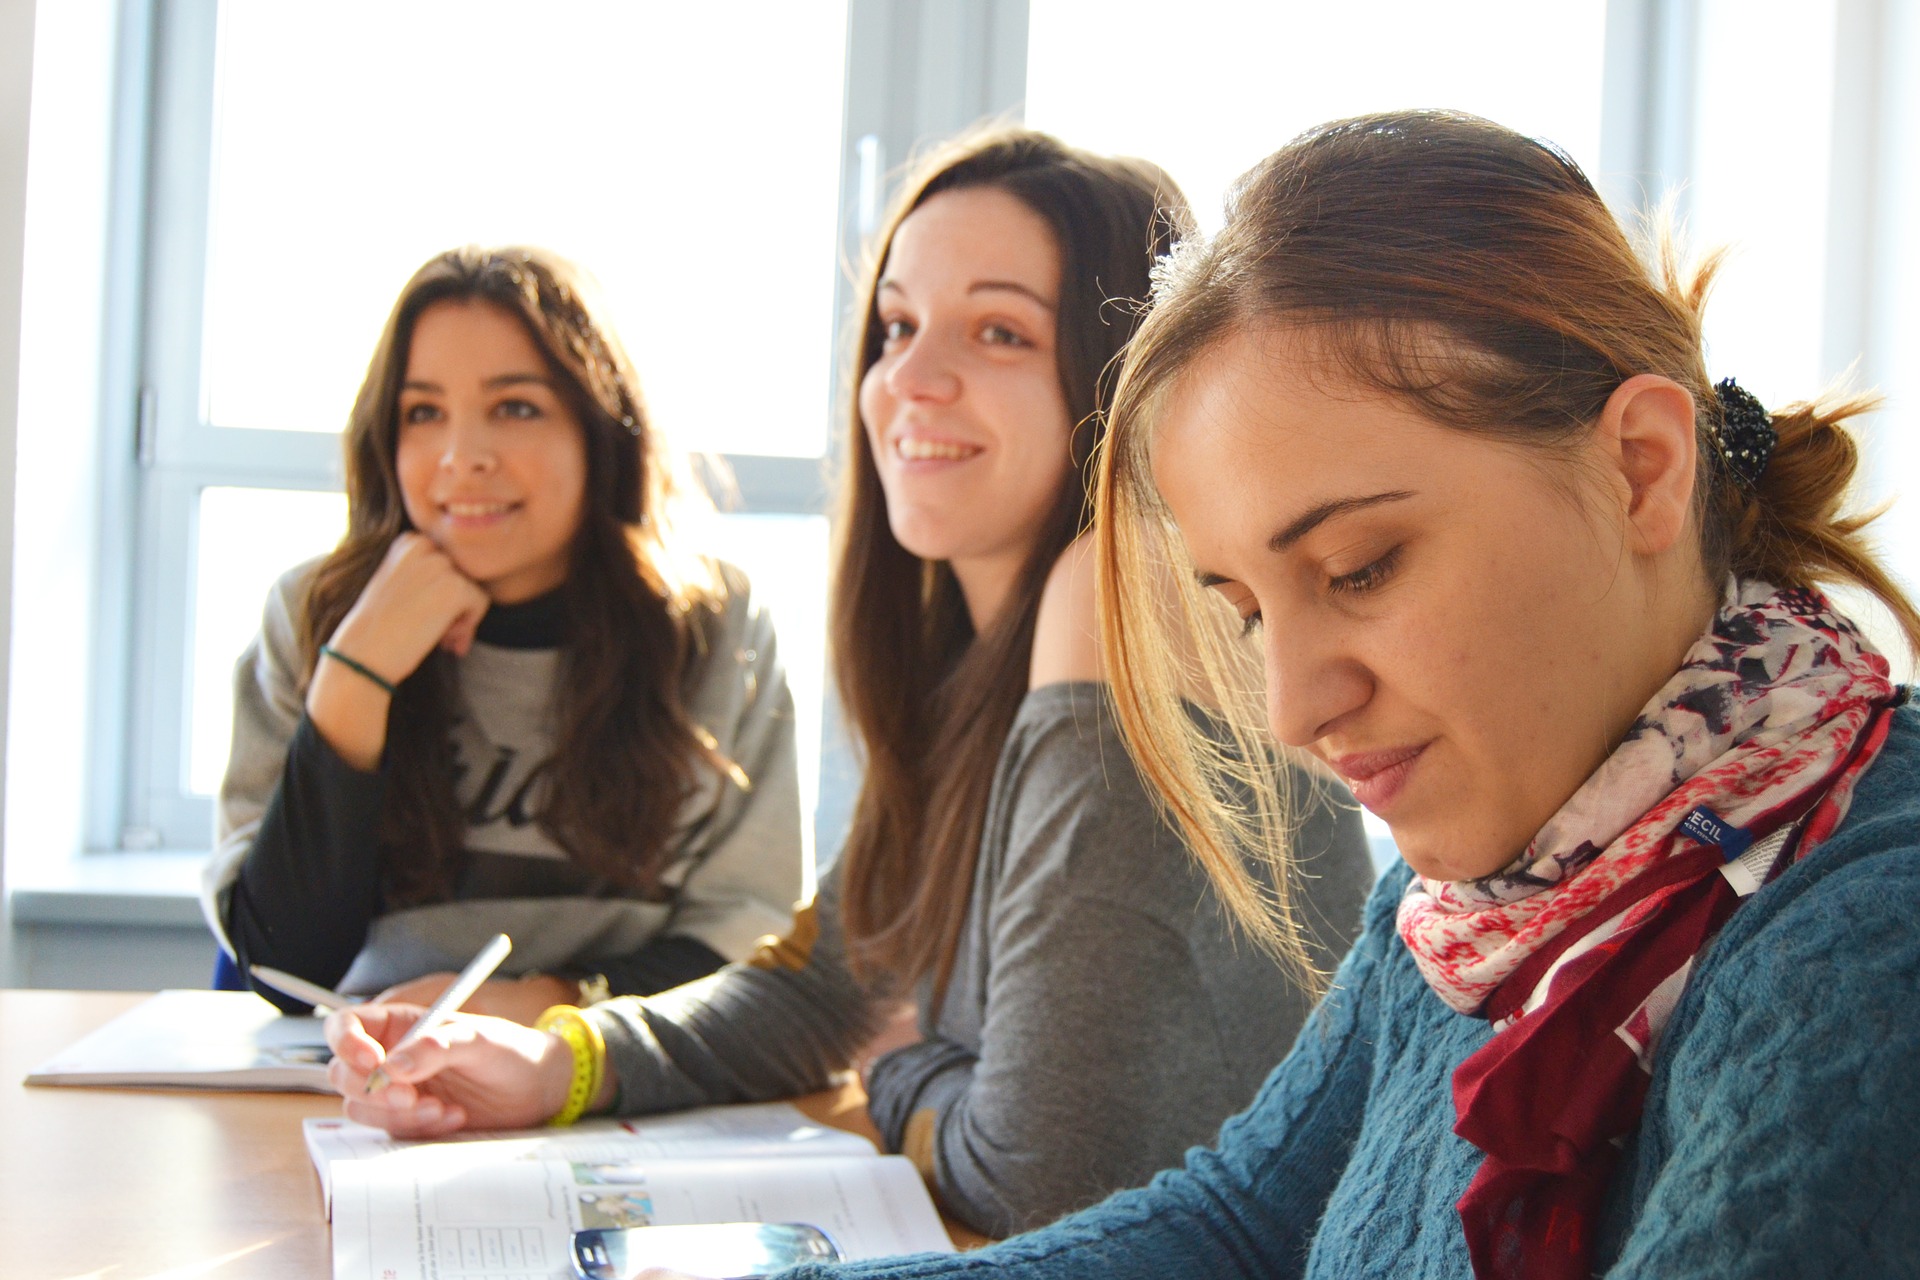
x,y
1475,275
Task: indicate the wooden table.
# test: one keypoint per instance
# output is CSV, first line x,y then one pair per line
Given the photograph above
x,y
152,1184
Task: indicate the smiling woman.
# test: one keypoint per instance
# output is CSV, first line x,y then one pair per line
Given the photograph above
x,y
491,460
512,699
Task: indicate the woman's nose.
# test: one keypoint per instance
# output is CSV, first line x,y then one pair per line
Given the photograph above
x,y
469,445
1311,682
924,370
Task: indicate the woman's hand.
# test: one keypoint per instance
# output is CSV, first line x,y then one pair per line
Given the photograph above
x,y
416,601
467,1073
520,1000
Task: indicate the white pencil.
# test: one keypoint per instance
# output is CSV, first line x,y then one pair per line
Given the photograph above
x,y
478,970
300,989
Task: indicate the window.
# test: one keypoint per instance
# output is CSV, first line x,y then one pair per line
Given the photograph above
x,y
1226,83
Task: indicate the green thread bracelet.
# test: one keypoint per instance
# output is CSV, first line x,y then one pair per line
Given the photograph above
x,y
328,651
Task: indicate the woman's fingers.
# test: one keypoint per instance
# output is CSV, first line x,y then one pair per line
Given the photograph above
x,y
405,1113
416,600
360,1035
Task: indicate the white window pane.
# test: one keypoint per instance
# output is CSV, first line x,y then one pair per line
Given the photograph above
x,y
1760,172
687,155
785,556
1209,92
247,539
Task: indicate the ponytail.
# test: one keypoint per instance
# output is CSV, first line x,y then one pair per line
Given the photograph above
x,y
1793,527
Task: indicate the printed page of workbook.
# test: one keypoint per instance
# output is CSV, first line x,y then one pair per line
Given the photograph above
x,y
745,1131
434,1217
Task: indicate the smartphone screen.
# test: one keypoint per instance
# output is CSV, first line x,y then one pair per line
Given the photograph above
x,y
722,1250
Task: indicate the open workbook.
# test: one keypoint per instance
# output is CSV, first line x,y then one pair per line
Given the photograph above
x,y
197,1040
505,1206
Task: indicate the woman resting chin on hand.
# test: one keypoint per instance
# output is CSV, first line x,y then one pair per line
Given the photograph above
x,y
513,699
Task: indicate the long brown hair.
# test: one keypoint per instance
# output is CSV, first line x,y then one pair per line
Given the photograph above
x,y
1475,274
627,755
931,703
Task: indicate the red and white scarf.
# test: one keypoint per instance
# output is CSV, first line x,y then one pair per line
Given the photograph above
x,y
1579,950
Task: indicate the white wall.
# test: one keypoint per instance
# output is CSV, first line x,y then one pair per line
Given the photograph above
x,y
16,86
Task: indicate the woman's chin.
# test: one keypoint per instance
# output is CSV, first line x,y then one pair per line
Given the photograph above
x,y
1439,852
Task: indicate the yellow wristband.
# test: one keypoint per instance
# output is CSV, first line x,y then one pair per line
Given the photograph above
x,y
589,1058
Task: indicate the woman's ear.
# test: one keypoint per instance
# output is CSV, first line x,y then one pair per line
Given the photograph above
x,y
1646,431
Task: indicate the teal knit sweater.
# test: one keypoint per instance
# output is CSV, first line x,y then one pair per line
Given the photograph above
x,y
1781,1135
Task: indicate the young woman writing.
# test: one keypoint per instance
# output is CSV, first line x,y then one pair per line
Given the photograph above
x,y
511,700
1642,1001
1085,1010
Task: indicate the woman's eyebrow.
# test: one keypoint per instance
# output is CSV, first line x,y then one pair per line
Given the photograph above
x,y
1011,286
1316,516
516,379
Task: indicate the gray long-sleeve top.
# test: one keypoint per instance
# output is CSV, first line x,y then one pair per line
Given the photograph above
x,y
1102,1016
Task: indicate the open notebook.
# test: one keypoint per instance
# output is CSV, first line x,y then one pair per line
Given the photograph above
x,y
197,1040
505,1206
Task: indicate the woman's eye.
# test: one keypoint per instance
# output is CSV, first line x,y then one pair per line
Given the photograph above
x,y
419,413
1366,578
517,409
1000,336
895,330
1249,624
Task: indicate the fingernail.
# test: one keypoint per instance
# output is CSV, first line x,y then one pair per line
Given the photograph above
x,y
401,1062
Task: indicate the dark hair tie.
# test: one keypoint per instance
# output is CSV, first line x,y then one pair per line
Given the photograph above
x,y
1747,436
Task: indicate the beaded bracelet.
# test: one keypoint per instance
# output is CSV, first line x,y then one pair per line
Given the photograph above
x,y
328,651
589,1058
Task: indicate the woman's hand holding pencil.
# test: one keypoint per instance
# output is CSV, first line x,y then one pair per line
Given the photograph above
x,y
469,1072
426,1073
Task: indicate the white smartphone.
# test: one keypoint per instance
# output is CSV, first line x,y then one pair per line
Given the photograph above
x,y
721,1250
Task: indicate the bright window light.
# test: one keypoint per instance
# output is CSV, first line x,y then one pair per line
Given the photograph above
x,y
1207,88
246,539
1760,163
686,156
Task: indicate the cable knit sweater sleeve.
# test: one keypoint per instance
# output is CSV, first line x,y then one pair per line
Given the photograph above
x,y
1247,1207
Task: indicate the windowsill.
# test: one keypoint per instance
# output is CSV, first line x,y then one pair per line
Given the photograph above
x,y
139,889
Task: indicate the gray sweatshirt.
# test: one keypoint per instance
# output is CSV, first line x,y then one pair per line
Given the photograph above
x,y
1102,1016
295,880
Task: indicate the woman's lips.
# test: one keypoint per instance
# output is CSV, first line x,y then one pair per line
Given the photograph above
x,y
1376,777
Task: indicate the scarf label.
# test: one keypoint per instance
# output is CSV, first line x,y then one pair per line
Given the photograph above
x,y
1708,827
